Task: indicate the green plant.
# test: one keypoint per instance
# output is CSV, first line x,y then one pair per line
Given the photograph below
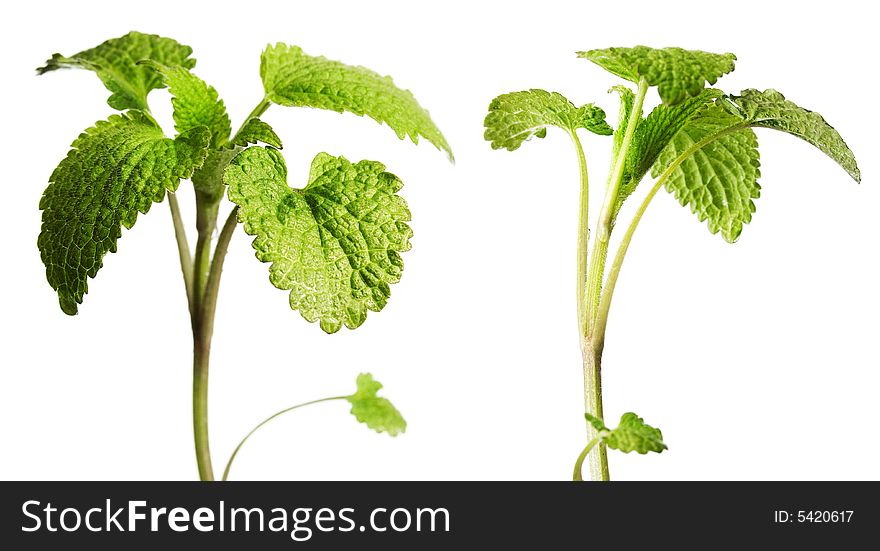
x,y
698,143
334,245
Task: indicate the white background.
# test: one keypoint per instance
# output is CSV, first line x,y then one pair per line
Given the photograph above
x,y
758,360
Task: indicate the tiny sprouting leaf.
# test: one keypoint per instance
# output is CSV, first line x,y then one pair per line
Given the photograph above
x,y
719,181
115,170
631,435
677,73
597,423
256,131
116,64
376,412
195,103
634,435
770,109
627,98
292,78
518,116
336,243
653,133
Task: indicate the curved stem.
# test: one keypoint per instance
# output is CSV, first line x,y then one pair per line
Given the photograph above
x,y
583,232
255,429
579,464
186,259
212,285
598,336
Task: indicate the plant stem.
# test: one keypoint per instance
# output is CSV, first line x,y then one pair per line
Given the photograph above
x,y
186,259
592,355
253,430
583,233
579,464
598,462
202,328
203,331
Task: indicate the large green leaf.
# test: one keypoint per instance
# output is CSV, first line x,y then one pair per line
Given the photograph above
x,y
293,78
116,64
518,116
336,243
114,170
719,181
678,74
770,109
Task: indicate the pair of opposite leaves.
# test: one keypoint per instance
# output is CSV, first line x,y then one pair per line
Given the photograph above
x,y
336,243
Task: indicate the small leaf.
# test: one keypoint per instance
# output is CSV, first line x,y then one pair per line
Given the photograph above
x,y
376,412
678,74
293,78
597,423
115,170
336,243
631,435
634,435
256,131
516,117
115,63
195,103
720,180
770,109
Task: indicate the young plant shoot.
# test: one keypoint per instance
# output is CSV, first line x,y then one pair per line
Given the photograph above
x,y
698,144
334,243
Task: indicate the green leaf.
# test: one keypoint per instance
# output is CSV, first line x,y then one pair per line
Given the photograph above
x,y
770,109
336,243
256,131
374,411
720,180
114,170
631,435
195,103
678,74
516,117
652,135
116,64
293,78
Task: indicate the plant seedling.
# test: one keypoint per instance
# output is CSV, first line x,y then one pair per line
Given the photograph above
x,y
334,244
698,143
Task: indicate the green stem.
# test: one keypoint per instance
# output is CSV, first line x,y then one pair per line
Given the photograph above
x,y
255,429
583,232
592,356
202,328
186,259
579,464
592,359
